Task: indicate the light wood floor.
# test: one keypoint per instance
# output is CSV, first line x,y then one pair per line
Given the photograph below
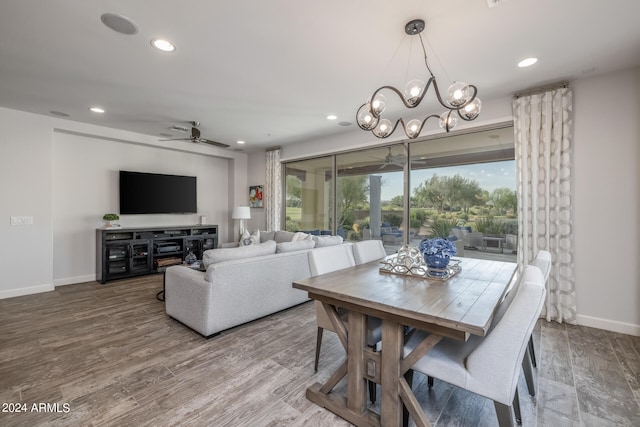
x,y
111,353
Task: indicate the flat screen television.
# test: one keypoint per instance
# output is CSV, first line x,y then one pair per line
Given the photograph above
x,y
151,193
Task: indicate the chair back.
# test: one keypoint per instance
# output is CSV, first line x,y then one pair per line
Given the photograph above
x,y
494,365
330,258
531,274
543,262
368,250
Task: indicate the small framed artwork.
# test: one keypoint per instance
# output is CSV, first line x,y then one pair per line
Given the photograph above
x,y
255,196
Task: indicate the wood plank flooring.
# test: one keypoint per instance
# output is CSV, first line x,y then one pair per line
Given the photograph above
x,y
115,358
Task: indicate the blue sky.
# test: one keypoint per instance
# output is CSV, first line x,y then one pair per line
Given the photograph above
x,y
488,175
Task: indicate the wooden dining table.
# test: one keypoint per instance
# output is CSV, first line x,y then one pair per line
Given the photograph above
x,y
458,307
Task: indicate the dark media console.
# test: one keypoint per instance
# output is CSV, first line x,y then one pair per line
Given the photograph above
x,y
129,252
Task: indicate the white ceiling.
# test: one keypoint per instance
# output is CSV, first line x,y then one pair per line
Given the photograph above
x,y
269,72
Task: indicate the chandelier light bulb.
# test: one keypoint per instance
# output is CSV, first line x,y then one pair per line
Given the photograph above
x,y
412,91
383,129
378,104
448,121
413,128
471,110
459,93
366,120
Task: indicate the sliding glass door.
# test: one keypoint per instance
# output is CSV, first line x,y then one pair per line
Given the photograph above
x,y
457,185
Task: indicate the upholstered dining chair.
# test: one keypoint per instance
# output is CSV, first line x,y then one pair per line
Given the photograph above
x,y
326,260
489,366
543,262
366,251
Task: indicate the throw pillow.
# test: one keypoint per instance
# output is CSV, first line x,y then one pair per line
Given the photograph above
x,y
295,246
250,239
213,256
300,236
327,240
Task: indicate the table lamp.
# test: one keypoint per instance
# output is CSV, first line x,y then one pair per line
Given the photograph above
x,y
241,213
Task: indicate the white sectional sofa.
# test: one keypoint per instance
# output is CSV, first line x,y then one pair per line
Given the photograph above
x,y
241,284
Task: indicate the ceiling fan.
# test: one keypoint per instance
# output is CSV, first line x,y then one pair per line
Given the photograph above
x,y
395,160
195,137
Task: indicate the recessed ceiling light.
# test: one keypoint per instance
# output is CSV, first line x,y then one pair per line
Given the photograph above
x,y
97,110
332,117
345,123
163,45
527,62
240,142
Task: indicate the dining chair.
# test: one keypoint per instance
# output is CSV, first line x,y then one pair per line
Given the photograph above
x,y
489,366
326,260
530,274
543,262
366,251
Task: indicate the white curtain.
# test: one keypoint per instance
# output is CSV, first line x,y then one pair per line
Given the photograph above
x,y
543,151
273,191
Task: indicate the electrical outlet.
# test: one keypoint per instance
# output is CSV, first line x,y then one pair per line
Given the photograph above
x,y
21,220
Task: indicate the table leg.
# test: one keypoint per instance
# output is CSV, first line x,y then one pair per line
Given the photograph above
x,y
356,384
392,347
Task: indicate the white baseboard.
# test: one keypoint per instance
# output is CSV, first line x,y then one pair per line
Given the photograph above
x,y
74,280
609,325
26,291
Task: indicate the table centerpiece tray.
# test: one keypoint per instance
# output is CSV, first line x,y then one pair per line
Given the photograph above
x,y
411,264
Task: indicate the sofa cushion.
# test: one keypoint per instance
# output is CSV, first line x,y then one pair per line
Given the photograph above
x,y
283,236
267,235
213,256
327,240
295,246
250,239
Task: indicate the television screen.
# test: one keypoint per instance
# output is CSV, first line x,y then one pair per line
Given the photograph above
x,y
150,193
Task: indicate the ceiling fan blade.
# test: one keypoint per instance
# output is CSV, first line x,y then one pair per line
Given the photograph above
x,y
176,139
217,144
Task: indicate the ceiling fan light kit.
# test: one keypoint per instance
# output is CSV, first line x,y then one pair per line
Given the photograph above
x,y
461,101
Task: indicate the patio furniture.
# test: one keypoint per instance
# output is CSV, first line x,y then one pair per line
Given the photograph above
x,y
470,240
390,235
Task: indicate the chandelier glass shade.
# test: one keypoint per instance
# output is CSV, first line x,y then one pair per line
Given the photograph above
x,y
460,101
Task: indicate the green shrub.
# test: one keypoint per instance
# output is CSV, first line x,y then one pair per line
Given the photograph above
x,y
442,227
292,225
393,220
490,225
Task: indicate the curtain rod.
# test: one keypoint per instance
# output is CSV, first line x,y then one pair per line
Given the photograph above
x,y
272,148
540,89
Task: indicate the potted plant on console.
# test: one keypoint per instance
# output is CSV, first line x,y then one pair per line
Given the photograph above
x,y
108,217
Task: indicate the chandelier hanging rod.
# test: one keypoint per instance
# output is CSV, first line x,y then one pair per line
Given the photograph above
x,y
462,100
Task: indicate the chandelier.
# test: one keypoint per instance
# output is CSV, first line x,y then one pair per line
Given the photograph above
x,y
461,101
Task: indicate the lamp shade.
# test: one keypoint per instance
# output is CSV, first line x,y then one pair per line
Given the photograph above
x,y
241,212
